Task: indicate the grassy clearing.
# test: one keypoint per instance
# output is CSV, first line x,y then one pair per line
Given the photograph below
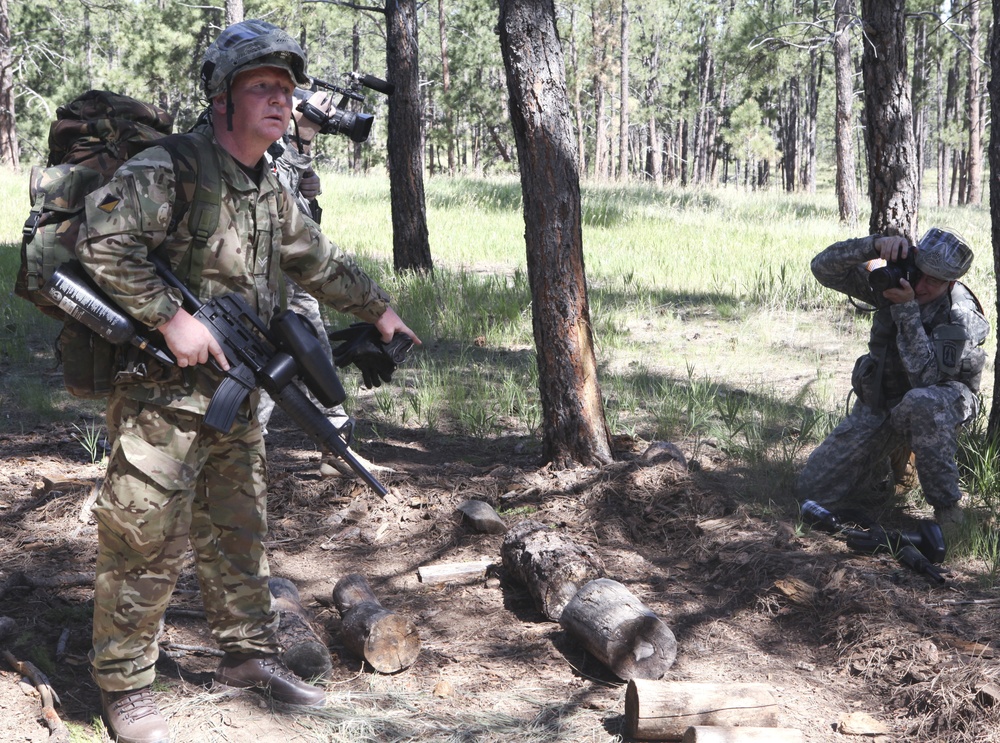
x,y
708,322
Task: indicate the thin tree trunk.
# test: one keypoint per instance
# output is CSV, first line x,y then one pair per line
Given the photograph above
x,y
410,244
891,149
847,192
993,426
449,117
9,153
573,424
623,118
234,12
973,103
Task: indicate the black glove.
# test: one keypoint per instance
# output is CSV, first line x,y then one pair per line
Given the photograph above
x,y
361,344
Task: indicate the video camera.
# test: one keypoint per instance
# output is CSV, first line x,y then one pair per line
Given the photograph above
x,y
355,125
889,275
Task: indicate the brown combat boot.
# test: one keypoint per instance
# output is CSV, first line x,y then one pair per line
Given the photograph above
x,y
132,716
267,674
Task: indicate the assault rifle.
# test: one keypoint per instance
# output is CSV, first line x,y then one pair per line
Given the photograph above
x,y
269,357
921,550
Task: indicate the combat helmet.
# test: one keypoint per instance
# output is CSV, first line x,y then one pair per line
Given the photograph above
x,y
943,255
246,46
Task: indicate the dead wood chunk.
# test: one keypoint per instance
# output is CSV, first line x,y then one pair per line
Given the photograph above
x,y
797,590
549,563
388,642
861,723
722,734
663,452
482,517
619,630
453,571
305,649
664,710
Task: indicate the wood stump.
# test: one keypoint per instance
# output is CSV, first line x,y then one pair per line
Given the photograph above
x,y
550,564
388,642
664,710
305,648
619,630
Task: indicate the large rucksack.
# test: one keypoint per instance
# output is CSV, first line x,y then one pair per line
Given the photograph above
x,y
90,138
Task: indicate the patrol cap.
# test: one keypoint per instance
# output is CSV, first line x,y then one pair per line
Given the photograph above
x,y
943,255
248,45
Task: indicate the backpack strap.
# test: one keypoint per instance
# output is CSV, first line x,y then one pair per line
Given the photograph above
x,y
198,174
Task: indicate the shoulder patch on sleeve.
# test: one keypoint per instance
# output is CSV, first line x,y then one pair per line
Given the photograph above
x,y
109,203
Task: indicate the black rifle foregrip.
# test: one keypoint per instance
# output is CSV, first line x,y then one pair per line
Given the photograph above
x,y
316,425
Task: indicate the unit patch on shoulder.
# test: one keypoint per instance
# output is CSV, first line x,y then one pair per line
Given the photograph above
x,y
109,204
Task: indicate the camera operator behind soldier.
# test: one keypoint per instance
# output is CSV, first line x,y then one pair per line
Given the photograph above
x,y
917,384
292,159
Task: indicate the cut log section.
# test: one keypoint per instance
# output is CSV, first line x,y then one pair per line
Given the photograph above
x,y
453,571
482,517
664,710
551,565
619,630
711,734
305,649
388,642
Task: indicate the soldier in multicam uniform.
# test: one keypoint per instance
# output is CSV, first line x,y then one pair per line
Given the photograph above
x,y
917,384
172,482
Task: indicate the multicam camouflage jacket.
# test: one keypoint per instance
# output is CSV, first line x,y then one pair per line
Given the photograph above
x,y
911,336
260,233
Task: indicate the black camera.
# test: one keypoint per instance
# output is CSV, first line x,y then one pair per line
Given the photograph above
x,y
353,124
889,275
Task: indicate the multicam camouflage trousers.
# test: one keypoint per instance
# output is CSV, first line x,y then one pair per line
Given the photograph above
x,y
306,305
173,484
928,419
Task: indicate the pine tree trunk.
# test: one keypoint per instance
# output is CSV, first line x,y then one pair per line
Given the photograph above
x,y
9,153
449,116
847,192
973,103
411,249
891,148
623,117
573,424
993,427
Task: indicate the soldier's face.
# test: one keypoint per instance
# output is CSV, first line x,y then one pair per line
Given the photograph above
x,y
929,288
262,103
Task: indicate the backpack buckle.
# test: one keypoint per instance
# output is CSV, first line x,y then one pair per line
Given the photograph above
x,y
30,226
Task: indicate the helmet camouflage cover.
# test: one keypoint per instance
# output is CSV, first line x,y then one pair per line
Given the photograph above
x,y
943,255
245,46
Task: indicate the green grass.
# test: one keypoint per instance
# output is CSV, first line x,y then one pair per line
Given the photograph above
x,y
708,323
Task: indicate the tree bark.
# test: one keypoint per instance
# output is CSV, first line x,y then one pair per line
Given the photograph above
x,y
9,151
891,147
304,649
623,116
549,564
847,192
573,424
993,426
234,12
449,117
973,103
619,630
411,249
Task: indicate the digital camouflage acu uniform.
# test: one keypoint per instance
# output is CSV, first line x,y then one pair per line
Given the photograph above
x,y
930,374
289,167
171,481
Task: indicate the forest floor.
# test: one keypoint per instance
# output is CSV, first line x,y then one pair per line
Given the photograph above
x,y
852,647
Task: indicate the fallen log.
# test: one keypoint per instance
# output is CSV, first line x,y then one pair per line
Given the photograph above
x,y
664,710
386,641
721,734
619,630
550,564
304,649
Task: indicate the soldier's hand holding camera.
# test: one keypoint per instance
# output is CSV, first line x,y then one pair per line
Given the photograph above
x,y
892,248
306,127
